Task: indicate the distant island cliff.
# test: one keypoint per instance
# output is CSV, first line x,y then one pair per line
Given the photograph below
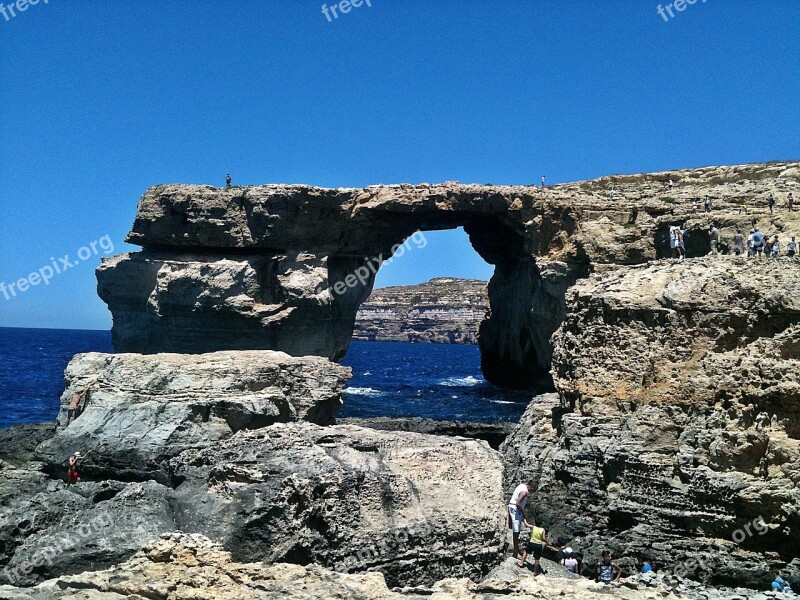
x,y
444,310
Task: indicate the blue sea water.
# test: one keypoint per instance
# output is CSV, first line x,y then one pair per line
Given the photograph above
x,y
435,381
390,379
32,363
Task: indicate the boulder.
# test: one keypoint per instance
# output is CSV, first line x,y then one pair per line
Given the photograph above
x,y
143,410
415,507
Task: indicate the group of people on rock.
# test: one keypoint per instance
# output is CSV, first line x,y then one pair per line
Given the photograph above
x,y
518,517
770,202
677,241
789,202
605,571
757,244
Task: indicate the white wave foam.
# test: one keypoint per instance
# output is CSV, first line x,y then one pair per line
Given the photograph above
x,y
467,381
363,391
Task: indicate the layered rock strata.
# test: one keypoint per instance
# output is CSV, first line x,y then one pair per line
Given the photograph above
x,y
444,310
286,267
675,437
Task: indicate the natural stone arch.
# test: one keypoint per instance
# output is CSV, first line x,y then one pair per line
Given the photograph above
x,y
251,267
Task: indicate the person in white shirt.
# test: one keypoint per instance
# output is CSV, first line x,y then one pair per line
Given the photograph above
x,y
569,561
516,511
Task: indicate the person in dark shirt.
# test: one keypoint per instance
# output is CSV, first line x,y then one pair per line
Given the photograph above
x,y
607,571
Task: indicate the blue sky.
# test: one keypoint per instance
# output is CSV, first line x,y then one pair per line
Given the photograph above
x,y
101,100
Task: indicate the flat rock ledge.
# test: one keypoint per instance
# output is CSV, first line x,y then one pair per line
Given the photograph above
x,y
492,433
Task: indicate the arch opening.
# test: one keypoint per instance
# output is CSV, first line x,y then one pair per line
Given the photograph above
x,y
514,336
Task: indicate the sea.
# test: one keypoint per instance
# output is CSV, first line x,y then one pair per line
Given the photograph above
x,y
390,379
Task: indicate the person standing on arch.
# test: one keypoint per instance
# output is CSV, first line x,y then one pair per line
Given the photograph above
x,y
517,514
228,180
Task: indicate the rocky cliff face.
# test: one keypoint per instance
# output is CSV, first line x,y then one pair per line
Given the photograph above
x,y
287,267
675,435
444,310
416,507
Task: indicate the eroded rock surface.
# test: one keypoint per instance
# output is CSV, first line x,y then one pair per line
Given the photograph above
x,y
179,566
676,432
415,507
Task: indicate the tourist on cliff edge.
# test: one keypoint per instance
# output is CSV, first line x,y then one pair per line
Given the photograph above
x,y
75,409
713,235
569,562
738,243
73,476
779,584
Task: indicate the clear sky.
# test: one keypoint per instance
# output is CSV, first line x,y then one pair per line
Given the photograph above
x,y
102,99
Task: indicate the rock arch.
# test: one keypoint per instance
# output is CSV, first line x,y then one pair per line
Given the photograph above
x,y
254,267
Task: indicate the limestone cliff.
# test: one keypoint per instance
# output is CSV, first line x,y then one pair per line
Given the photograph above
x,y
444,310
676,432
286,267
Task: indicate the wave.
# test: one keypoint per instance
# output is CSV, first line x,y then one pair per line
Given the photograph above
x,y
363,391
467,381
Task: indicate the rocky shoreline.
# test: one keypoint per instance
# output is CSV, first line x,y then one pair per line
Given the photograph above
x,y
671,437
